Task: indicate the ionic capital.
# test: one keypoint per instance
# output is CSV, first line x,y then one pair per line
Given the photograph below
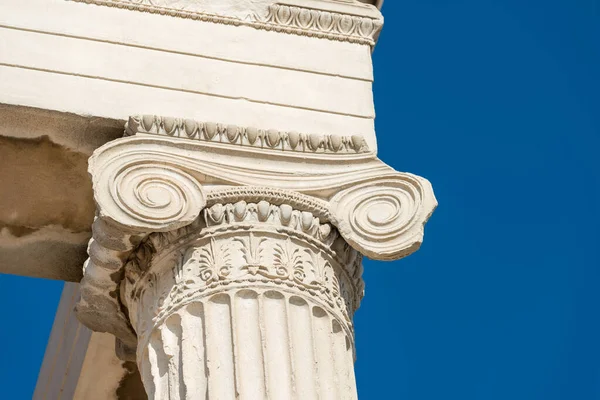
x,y
211,191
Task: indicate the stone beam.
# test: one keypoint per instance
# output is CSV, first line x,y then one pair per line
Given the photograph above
x,y
299,65
307,69
47,205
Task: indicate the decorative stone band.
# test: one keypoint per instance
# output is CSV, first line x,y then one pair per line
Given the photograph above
x,y
251,137
322,24
243,244
147,183
297,20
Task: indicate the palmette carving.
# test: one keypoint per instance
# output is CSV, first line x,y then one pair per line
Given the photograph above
x,y
213,263
236,245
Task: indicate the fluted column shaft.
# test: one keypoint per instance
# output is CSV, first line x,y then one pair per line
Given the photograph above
x,y
252,301
249,344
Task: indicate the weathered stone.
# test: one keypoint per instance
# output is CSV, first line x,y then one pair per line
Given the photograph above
x,y
230,222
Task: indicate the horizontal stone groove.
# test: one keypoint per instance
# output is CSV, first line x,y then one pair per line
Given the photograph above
x,y
184,53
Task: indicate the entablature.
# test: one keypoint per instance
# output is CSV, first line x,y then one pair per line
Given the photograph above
x,y
344,20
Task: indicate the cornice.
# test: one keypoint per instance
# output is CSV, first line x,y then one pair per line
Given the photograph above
x,y
334,20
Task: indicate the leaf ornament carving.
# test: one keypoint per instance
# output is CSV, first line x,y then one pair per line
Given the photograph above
x,y
252,253
325,277
213,262
288,261
252,137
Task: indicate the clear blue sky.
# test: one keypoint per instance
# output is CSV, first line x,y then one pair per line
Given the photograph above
x,y
497,102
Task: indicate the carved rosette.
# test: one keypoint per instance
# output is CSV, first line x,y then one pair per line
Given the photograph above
x,y
232,277
275,285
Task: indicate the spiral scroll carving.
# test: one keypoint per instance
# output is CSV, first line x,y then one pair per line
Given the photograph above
x,y
148,194
154,197
384,218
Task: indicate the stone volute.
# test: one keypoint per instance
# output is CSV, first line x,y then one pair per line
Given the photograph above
x,y
227,259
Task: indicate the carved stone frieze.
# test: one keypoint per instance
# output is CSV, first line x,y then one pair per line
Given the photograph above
x,y
349,21
241,244
250,136
323,24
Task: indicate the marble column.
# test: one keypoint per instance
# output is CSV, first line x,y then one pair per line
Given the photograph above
x,y
250,301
